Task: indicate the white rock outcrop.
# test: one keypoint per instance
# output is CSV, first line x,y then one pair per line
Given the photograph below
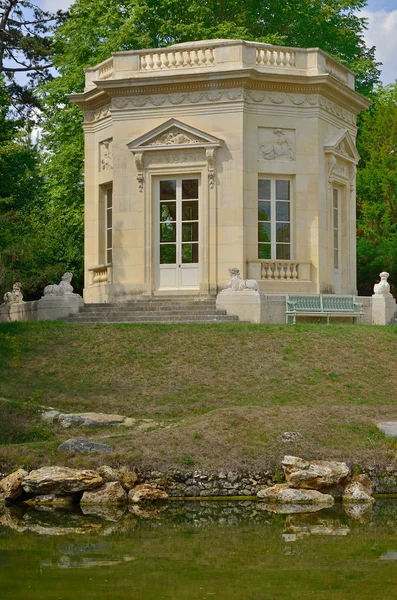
x,y
283,494
313,475
60,481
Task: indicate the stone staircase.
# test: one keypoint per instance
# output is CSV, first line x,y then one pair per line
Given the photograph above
x,y
162,309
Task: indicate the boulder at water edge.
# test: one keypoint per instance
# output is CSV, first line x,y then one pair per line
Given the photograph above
x,y
60,480
11,486
109,493
356,492
50,500
148,492
313,475
283,494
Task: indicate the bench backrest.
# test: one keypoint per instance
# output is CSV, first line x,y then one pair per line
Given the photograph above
x,y
309,303
336,303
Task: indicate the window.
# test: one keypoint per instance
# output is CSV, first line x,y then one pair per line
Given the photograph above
x,y
109,224
335,225
274,219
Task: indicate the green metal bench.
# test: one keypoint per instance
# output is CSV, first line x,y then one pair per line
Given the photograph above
x,y
322,305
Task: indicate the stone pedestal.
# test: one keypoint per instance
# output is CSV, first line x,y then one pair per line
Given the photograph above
x,y
246,304
384,308
57,307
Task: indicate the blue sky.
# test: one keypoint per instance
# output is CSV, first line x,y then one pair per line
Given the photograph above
x,y
382,31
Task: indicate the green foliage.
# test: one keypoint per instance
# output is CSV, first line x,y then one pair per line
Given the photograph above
x,y
377,190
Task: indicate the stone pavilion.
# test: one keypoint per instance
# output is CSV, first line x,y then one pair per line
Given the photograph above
x,y
219,153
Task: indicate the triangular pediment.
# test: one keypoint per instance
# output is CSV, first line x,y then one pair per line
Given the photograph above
x,y
342,144
174,134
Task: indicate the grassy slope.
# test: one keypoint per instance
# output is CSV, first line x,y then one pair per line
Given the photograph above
x,y
230,389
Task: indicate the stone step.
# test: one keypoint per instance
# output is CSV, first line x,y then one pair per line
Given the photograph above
x,y
149,308
159,321
149,318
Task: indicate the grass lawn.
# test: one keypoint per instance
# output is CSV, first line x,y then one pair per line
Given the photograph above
x,y
219,395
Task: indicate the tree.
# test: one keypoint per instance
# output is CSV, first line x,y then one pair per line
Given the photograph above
x,y
377,190
26,47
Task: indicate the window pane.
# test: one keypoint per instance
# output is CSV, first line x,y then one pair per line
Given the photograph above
x,y
190,253
168,211
189,189
282,189
109,238
109,197
335,197
264,189
167,254
264,251
336,239
264,212
336,259
283,232
283,251
109,256
264,234
190,232
190,211
168,190
167,232
109,218
282,211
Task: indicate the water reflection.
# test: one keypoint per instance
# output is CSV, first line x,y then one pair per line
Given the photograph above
x,y
197,550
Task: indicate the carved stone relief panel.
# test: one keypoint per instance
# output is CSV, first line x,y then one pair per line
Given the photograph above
x,y
173,137
276,144
106,155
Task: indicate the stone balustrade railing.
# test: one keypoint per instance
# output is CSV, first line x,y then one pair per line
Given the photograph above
x,y
222,55
280,270
105,69
161,59
277,57
100,274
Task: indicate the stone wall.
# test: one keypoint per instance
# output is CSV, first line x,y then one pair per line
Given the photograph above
x,y
200,483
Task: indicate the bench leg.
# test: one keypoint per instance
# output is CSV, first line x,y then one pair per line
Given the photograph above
x,y
327,319
294,320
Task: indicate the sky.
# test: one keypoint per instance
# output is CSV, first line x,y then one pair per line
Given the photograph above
x,y
382,31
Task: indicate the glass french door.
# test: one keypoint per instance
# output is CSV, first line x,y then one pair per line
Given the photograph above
x,y
177,238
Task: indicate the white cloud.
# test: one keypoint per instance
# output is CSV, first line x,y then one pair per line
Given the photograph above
x,y
54,5
382,27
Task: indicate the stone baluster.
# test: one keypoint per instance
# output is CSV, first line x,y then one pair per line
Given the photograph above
x,y
211,56
149,62
188,59
143,64
195,58
166,62
157,60
172,60
294,271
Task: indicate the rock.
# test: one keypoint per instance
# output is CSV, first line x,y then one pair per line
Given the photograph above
x,y
49,416
60,481
145,491
356,492
109,493
90,419
108,474
290,436
283,494
366,482
79,446
313,475
50,500
127,478
11,486
389,428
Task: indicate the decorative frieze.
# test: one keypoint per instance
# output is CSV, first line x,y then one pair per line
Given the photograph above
x,y
235,95
91,116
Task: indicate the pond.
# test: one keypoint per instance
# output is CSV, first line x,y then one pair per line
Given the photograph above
x,y
198,551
